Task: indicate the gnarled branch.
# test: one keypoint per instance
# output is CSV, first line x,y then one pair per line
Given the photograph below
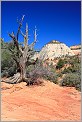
x,y
20,25
35,39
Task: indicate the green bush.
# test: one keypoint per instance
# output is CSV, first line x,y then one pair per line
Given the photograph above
x,y
74,59
60,64
51,77
72,80
11,71
75,68
4,74
66,70
8,65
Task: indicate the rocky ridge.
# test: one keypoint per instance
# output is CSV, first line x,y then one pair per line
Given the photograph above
x,y
76,49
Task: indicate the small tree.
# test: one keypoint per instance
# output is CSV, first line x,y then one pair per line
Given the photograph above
x,y
21,53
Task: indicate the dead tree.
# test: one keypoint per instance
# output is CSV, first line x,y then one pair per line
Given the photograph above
x,y
21,53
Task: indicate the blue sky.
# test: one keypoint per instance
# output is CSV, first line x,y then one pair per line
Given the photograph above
x,y
54,20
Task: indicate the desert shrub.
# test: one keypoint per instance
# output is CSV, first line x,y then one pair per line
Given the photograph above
x,y
66,60
51,76
4,74
74,60
5,59
8,65
59,74
69,70
75,68
72,80
60,64
8,71
11,71
73,74
66,70
39,71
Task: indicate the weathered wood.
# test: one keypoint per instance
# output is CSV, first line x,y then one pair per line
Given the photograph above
x,y
13,79
23,54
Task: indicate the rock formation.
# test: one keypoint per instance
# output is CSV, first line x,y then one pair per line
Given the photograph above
x,y
53,50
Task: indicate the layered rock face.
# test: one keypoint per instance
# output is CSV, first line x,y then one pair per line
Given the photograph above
x,y
53,50
76,49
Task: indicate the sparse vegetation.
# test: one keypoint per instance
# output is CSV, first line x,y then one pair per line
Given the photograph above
x,y
8,65
33,72
72,73
72,80
54,42
40,71
60,64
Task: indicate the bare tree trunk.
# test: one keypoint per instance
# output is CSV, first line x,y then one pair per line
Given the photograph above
x,y
22,68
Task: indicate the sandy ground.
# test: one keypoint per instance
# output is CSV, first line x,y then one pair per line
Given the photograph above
x,y
46,102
